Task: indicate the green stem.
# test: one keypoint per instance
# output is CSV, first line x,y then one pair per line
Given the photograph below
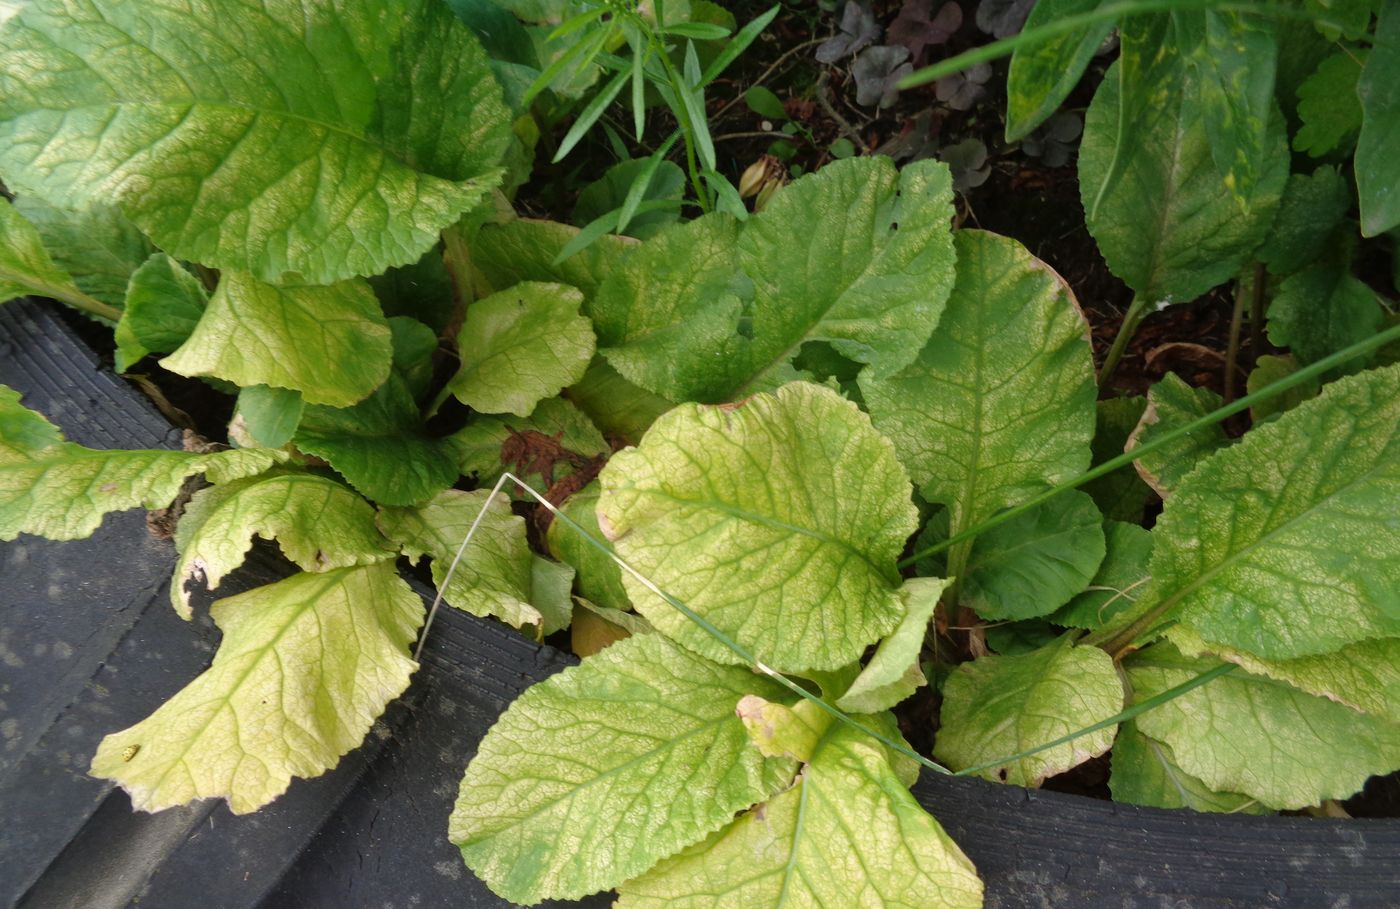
x,y
1071,24
69,295
457,256
1232,349
1131,319
1256,313
1273,389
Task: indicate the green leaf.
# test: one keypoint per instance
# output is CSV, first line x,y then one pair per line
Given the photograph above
x,y
1000,403
858,255
1354,16
1002,705
1121,495
299,140
893,673
763,102
667,316
56,489
667,764
1146,773
1321,310
414,346
552,593
1329,106
664,181
318,523
1171,403
1235,57
380,446
25,266
1119,580
1312,209
1377,168
554,441
847,834
267,416
422,290
1303,557
778,520
97,246
1034,563
1268,369
1167,226
1259,737
779,731
332,344
526,250
1364,676
163,305
520,346
305,667
1044,73
615,405
599,578
495,575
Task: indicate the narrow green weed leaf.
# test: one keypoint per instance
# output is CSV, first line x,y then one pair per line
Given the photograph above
x,y
1377,165
529,250
664,182
1000,705
1164,226
380,446
520,346
1260,737
59,490
1302,558
1321,310
398,105
1044,73
1146,773
849,833
1171,404
319,524
1117,584
330,343
98,246
305,667
738,44
590,114
163,304
778,521
893,673
495,575
1000,402
667,764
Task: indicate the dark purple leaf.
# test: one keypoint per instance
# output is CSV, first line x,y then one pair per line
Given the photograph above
x,y
1054,141
858,29
877,72
1003,18
968,162
915,29
962,90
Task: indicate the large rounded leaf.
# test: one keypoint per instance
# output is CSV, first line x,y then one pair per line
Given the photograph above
x,y
292,136
1169,224
778,520
594,775
1286,544
1000,402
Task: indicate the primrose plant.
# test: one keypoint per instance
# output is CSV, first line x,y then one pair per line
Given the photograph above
x,y
859,460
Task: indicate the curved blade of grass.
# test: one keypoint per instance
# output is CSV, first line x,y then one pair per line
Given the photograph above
x,y
1273,389
742,39
605,224
638,190
1109,12
573,24
577,56
590,114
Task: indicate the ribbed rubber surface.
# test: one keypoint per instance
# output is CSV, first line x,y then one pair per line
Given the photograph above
x,y
88,645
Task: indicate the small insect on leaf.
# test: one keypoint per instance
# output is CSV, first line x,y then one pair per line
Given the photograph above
x,y
129,752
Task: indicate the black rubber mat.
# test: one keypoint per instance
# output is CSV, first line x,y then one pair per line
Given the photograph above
x,y
89,644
